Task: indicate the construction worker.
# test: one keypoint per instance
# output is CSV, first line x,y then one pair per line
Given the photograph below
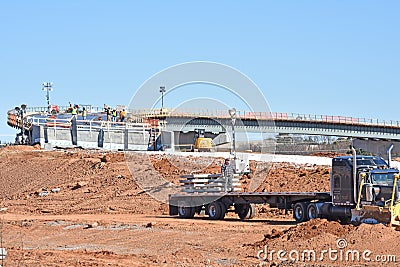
x,y
122,115
108,112
227,172
74,111
114,115
84,113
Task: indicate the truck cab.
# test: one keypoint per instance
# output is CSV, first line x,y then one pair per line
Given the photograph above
x,y
362,189
368,190
344,188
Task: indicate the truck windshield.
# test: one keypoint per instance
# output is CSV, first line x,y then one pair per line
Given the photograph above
x,y
371,162
365,162
379,161
383,178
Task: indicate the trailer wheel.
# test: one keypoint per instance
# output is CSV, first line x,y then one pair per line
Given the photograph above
x,y
300,212
184,211
216,211
223,210
312,211
252,211
245,211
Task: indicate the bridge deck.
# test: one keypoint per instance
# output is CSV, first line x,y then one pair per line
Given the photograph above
x,y
220,121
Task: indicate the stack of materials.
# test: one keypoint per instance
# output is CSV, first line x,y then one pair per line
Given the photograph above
x,y
209,183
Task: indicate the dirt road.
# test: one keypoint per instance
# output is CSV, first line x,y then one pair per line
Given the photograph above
x,y
126,240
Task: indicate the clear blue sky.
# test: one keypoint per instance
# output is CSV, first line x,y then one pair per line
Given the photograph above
x,y
318,57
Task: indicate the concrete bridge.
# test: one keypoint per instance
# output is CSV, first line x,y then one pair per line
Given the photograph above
x,y
286,123
136,132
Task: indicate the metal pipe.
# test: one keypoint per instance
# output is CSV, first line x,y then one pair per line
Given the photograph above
x,y
359,190
389,154
396,177
354,171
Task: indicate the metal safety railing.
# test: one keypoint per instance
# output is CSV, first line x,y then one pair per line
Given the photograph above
x,y
88,124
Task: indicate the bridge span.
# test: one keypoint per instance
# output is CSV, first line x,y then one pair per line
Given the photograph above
x,y
138,128
285,123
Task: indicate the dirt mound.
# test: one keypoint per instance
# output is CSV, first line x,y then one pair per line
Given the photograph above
x,y
308,230
18,148
296,177
107,185
172,167
113,157
320,234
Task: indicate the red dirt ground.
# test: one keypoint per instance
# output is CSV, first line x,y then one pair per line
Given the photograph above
x,y
101,217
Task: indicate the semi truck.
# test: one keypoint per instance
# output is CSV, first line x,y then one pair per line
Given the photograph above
x,y
363,189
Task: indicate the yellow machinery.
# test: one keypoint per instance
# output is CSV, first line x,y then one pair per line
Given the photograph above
x,y
387,211
202,143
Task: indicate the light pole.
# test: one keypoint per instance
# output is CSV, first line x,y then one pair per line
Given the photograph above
x,y
232,113
162,91
48,87
20,111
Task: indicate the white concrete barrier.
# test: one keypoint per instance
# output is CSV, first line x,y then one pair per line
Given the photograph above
x,y
3,254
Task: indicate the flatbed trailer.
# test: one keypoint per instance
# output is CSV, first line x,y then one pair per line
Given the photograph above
x,y
216,205
362,189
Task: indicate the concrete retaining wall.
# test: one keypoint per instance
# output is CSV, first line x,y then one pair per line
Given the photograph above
x,y
132,139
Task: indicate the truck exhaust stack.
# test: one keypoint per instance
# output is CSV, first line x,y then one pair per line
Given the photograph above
x,y
389,154
354,170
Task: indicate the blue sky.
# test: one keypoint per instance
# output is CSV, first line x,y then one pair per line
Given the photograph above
x,y
317,57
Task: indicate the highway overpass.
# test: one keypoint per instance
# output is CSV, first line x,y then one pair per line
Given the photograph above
x,y
136,132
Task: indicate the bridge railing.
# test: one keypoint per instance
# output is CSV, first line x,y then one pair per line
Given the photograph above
x,y
88,125
319,118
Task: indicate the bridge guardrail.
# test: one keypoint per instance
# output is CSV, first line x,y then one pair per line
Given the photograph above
x,y
89,125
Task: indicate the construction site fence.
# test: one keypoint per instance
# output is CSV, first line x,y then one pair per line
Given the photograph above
x,y
223,114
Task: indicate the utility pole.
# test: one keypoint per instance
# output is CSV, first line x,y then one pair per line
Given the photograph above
x,y
48,87
162,91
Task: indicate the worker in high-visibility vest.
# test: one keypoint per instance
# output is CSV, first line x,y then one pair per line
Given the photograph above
x,y
84,113
114,115
74,111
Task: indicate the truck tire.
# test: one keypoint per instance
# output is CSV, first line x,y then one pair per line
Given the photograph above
x,y
300,212
223,211
312,211
252,211
245,211
216,210
184,211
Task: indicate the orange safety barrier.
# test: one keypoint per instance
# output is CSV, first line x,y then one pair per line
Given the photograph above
x,y
152,122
